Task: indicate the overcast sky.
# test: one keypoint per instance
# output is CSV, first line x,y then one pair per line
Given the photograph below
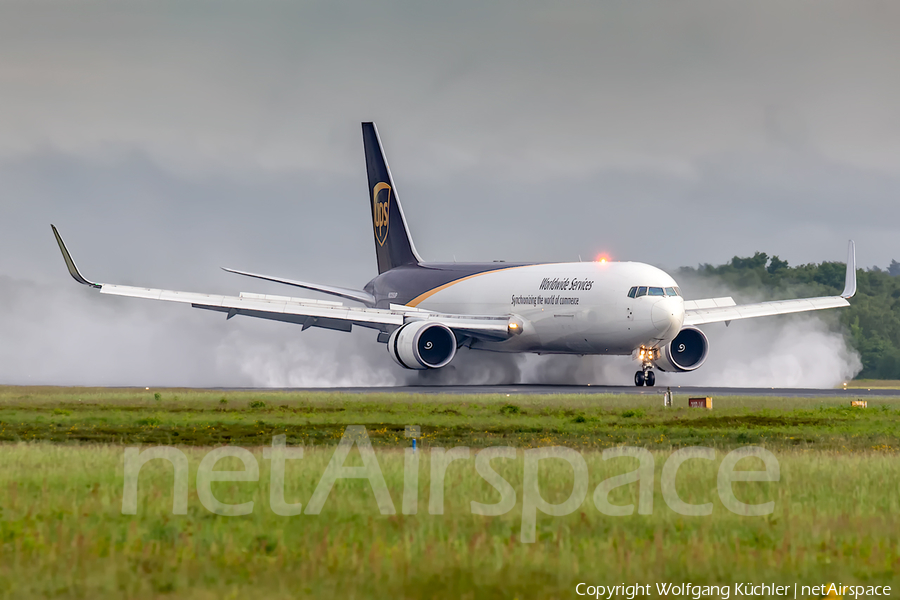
x,y
167,139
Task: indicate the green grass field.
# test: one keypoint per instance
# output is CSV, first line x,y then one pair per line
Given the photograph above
x,y
205,418
64,535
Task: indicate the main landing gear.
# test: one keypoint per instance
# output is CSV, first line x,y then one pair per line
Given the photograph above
x,y
646,376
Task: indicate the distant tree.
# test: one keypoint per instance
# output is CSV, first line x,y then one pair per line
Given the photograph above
x,y
831,274
758,260
894,269
776,265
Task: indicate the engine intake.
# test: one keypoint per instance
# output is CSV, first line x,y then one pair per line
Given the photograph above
x,y
687,352
422,345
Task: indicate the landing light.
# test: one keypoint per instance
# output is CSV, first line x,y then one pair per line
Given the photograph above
x,y
514,327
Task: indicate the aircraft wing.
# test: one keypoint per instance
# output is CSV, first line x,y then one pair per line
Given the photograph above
x,y
303,311
716,310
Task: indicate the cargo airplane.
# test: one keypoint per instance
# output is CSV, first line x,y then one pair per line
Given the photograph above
x,y
424,311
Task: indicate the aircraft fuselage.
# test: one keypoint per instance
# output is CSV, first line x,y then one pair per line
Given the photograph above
x,y
571,308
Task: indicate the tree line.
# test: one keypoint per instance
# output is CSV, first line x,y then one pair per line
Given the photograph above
x,y
871,323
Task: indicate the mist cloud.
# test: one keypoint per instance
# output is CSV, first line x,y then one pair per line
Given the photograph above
x,y
796,352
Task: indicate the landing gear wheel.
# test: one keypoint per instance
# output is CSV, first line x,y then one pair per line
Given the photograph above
x,y
639,378
650,378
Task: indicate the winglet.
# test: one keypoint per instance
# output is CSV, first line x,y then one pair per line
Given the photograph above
x,y
850,277
70,264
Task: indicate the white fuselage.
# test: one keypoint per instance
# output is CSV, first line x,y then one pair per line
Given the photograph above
x,y
572,308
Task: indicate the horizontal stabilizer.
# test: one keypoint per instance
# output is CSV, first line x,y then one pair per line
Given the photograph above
x,y
358,295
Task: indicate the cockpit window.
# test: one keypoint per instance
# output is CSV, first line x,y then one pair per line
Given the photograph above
x,y
637,292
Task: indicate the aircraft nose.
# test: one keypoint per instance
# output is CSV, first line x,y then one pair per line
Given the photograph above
x,y
668,315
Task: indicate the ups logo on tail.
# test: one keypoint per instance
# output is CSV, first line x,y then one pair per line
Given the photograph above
x,y
381,197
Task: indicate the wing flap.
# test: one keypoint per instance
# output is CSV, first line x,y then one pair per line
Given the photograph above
x,y
761,309
257,303
708,303
317,313
329,315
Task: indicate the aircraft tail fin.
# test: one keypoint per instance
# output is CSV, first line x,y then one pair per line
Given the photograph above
x,y
393,244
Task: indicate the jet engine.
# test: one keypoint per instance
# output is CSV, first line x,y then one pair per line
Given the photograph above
x,y
686,352
422,345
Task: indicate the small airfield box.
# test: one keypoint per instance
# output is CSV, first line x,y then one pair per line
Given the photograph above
x,y
700,402
858,403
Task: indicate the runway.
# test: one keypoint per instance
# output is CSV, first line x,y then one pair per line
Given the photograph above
x,y
603,389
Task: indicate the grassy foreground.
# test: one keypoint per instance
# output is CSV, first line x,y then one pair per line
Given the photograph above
x,y
62,532
208,418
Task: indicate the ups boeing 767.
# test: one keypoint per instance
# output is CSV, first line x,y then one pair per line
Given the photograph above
x,y
424,312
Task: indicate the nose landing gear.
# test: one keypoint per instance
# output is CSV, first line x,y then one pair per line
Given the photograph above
x,y
646,376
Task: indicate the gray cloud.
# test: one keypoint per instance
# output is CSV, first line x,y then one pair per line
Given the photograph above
x,y
171,138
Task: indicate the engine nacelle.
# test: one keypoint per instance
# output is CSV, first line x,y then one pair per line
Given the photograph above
x,y
422,345
687,352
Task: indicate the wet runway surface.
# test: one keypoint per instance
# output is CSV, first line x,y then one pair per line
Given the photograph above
x,y
602,389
